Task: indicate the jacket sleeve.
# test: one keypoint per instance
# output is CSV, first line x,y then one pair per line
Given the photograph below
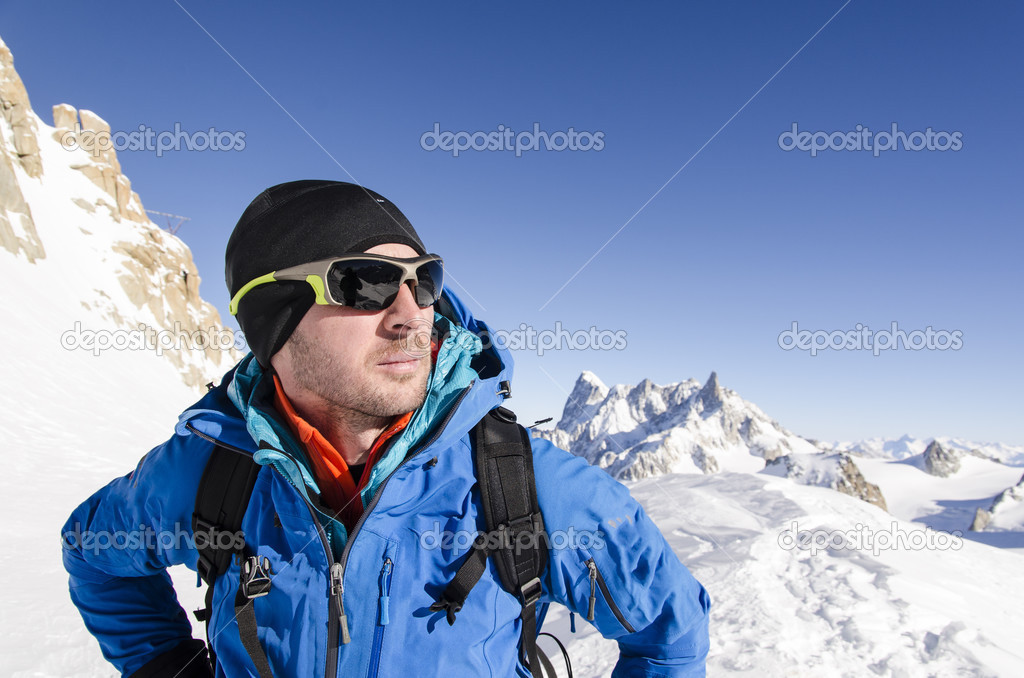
x,y
601,540
116,548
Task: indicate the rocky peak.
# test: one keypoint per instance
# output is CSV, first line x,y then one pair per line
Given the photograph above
x,y
19,148
941,461
836,471
17,112
852,482
97,161
1003,504
711,394
648,429
588,389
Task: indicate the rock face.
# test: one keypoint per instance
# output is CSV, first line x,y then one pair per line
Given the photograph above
x,y
17,113
852,482
837,471
20,147
710,395
129,274
981,520
646,430
17,229
1006,513
939,461
99,159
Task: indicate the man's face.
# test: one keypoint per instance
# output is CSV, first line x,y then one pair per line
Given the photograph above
x,y
374,363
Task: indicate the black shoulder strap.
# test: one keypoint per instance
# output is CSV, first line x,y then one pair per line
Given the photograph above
x,y
221,501
515,536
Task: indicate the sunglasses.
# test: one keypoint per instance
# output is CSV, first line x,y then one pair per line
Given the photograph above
x,y
366,282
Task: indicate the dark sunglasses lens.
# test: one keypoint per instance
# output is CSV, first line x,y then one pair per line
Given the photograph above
x,y
429,283
370,285
363,284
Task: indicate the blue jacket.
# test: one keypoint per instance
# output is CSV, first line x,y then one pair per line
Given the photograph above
x,y
411,540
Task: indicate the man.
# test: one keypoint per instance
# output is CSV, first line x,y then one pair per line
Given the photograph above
x,y
365,379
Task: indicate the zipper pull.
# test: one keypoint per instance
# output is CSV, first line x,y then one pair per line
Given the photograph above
x,y
592,566
338,590
385,591
572,622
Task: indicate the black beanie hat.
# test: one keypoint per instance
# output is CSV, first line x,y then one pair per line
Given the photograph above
x,y
296,223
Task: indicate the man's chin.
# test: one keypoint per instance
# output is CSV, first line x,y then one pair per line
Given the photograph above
x,y
407,391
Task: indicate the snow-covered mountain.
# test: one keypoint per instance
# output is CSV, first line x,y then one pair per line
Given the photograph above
x,y
646,430
688,427
1006,513
835,471
77,243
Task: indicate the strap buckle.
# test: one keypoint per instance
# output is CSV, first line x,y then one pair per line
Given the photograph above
x,y
530,592
206,567
255,576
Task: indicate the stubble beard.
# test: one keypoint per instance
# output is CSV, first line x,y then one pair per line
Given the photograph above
x,y
362,395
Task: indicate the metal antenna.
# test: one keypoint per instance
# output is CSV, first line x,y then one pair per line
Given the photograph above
x,y
171,228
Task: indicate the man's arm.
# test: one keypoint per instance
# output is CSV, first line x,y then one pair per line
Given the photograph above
x,y
117,546
649,602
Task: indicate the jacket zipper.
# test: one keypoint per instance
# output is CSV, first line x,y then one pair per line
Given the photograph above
x,y
336,591
596,578
383,617
336,607
380,490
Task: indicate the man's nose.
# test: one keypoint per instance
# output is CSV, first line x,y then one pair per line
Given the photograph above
x,y
404,307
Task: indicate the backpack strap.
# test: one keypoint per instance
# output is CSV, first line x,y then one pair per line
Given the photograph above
x,y
221,501
515,537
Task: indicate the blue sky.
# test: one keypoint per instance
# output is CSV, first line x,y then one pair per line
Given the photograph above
x,y
743,241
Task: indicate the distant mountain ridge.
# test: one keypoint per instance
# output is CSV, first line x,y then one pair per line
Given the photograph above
x,y
645,430
635,432
908,446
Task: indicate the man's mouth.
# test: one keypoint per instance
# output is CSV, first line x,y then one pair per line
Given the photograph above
x,y
400,362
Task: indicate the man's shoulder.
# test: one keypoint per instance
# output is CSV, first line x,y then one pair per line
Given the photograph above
x,y
215,419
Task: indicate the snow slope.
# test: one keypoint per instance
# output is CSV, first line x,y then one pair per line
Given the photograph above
x,y
71,419
70,422
947,503
836,612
